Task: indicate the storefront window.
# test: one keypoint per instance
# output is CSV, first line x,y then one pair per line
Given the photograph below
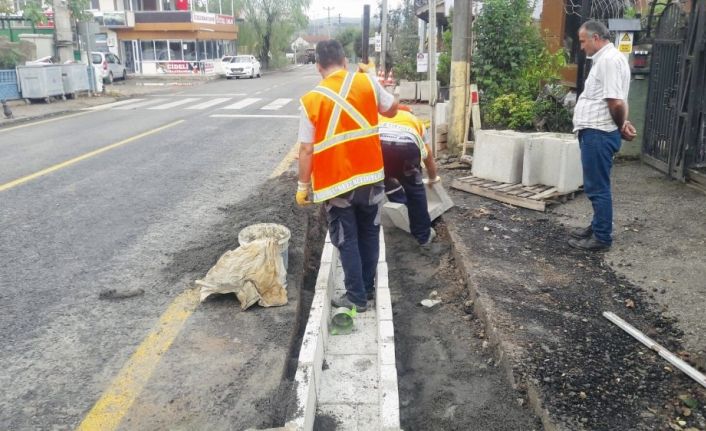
x,y
161,49
147,50
189,51
211,50
175,50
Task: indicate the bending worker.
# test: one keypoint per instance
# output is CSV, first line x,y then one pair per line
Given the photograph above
x,y
340,164
403,148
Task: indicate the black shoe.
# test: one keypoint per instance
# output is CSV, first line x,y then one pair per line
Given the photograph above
x,y
589,244
371,296
343,301
581,232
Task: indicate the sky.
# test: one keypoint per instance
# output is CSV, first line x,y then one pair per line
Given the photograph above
x,y
347,8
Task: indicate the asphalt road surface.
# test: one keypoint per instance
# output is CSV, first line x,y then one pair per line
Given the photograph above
x,y
104,199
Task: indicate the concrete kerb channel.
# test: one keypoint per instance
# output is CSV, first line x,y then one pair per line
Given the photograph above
x,y
314,346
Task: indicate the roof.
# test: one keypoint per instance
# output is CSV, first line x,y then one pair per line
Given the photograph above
x,y
621,24
315,38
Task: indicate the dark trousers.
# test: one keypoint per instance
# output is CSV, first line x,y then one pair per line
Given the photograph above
x,y
597,151
354,227
404,185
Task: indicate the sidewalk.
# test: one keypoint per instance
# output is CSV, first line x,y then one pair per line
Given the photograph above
x,y
542,301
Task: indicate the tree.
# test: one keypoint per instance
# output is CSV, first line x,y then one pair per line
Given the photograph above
x,y
272,23
404,40
33,13
348,38
6,7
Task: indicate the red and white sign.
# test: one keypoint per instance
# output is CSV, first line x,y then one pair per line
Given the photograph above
x,y
203,17
225,19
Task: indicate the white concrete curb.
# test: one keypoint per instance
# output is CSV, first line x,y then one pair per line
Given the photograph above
x,y
309,369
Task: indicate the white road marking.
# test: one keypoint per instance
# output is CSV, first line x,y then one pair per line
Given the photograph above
x,y
252,116
174,104
210,103
140,104
111,105
243,103
202,94
276,104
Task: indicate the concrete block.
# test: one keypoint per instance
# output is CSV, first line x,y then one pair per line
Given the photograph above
x,y
323,278
553,159
386,353
397,214
381,278
327,254
383,305
358,341
389,398
408,90
438,202
424,90
306,399
386,331
441,110
360,374
498,155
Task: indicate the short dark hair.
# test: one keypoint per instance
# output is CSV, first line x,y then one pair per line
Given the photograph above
x,y
329,53
596,27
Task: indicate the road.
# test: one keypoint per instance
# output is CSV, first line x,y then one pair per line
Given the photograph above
x,y
110,198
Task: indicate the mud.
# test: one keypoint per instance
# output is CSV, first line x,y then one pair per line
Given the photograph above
x,y
544,301
447,376
246,382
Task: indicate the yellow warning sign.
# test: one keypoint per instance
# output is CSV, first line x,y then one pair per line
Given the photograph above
x,y
625,42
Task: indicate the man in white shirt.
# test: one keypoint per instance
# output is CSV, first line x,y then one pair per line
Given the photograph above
x,y
600,118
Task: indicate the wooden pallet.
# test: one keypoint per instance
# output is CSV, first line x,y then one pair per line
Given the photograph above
x,y
536,197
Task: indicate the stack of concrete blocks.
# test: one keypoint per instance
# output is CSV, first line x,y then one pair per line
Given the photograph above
x,y
424,90
506,156
553,160
498,155
408,90
438,202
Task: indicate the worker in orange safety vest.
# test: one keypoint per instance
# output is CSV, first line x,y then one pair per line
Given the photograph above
x,y
341,164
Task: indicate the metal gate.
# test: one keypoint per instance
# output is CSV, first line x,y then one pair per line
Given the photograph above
x,y
657,145
689,157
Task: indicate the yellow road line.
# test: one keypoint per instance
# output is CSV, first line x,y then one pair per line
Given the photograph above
x,y
110,409
67,163
63,117
288,159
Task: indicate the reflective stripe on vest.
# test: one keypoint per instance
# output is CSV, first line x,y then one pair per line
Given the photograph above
x,y
395,129
349,184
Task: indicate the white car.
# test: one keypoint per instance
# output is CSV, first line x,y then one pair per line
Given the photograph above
x,y
108,66
241,65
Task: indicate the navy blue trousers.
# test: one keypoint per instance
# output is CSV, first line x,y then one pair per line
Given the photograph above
x,y
404,184
354,227
597,151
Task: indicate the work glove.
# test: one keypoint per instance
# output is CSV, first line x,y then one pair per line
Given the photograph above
x,y
432,181
367,68
302,196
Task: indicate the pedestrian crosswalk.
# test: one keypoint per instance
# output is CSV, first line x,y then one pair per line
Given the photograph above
x,y
199,104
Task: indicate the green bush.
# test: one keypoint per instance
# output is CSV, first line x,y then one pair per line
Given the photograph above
x,y
512,66
511,111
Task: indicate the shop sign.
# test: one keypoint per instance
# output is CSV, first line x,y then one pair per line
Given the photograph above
x,y
225,19
178,67
203,17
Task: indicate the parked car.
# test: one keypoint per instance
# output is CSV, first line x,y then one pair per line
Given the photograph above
x,y
241,65
108,66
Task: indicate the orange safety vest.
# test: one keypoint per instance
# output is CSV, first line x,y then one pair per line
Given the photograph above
x,y
347,154
404,124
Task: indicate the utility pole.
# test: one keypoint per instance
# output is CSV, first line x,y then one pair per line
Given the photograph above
x,y
64,37
383,35
432,72
328,11
460,73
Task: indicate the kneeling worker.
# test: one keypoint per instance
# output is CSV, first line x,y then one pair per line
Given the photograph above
x,y
403,149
